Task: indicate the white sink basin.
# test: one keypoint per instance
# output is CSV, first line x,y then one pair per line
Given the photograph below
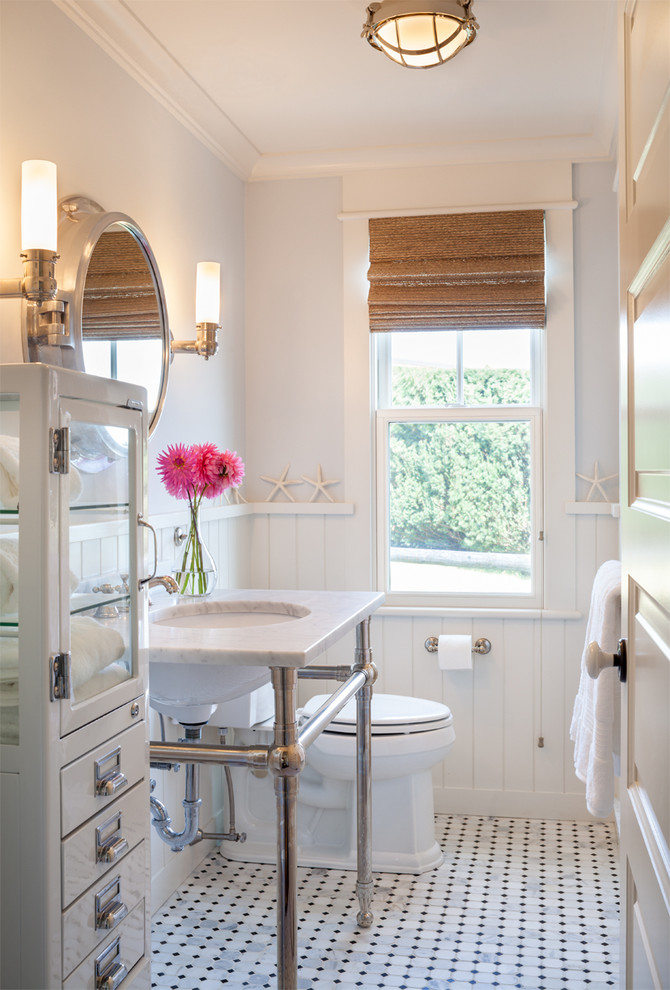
x,y
190,691
229,615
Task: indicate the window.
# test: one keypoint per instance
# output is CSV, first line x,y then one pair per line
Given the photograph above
x,y
458,445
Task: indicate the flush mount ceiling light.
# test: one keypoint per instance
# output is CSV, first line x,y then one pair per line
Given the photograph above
x,y
420,34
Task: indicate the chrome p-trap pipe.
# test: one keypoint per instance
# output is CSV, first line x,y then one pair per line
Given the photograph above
x,y
176,752
329,709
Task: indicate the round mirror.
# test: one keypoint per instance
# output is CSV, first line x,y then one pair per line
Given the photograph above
x,y
122,325
115,306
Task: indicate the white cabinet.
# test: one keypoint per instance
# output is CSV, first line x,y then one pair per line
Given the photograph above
x,y
74,771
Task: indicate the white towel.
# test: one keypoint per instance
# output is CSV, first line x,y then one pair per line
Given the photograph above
x,y
595,716
92,645
93,648
113,674
9,474
9,574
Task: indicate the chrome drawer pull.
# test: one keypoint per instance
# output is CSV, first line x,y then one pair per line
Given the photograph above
x,y
111,915
112,979
109,907
111,850
109,780
109,843
110,784
110,972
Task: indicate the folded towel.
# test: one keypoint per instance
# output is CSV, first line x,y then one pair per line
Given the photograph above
x,y
113,674
9,474
9,574
93,648
595,717
92,645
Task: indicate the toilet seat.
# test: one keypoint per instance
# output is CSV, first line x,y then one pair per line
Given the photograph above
x,y
391,715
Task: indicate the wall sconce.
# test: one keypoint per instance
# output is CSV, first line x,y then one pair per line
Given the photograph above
x,y
39,219
207,306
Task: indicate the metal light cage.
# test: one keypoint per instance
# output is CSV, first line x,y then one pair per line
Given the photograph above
x,y
419,34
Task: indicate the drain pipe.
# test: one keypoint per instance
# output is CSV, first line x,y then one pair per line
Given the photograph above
x,y
191,803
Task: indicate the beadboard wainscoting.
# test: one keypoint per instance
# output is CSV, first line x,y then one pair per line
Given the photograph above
x,y
512,711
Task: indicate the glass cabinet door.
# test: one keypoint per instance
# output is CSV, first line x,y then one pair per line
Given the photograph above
x,y
9,569
101,499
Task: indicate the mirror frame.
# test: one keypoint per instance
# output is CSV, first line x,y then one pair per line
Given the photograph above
x,y
81,223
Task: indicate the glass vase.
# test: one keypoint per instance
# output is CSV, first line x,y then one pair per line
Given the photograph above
x,y
195,570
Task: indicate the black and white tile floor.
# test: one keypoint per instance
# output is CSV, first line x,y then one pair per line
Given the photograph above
x,y
516,904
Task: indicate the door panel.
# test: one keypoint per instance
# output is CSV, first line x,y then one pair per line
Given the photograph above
x,y
644,221
649,703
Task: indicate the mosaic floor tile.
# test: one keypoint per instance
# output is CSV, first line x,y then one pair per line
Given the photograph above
x,y
520,905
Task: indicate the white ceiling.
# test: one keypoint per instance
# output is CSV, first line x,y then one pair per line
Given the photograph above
x,y
288,87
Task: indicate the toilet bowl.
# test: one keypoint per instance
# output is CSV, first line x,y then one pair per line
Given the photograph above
x,y
410,736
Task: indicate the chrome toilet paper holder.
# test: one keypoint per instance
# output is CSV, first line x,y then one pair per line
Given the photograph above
x,y
481,645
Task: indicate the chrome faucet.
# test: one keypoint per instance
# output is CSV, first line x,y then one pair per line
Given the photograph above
x,y
166,582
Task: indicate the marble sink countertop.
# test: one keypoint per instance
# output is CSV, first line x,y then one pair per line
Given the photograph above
x,y
295,643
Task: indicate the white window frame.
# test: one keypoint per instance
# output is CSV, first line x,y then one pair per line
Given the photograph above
x,y
388,415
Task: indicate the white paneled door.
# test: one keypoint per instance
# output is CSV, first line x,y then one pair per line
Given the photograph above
x,y
644,200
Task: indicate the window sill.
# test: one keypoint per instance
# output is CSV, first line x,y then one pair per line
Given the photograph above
x,y
592,509
454,612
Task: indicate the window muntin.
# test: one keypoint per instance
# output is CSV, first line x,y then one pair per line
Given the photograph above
x,y
458,463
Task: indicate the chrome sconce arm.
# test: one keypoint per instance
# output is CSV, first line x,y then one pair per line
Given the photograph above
x,y
205,343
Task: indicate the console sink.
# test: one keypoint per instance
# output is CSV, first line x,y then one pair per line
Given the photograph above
x,y
190,692
202,653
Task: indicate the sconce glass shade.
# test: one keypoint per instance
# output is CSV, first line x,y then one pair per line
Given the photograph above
x,y
39,210
207,292
420,34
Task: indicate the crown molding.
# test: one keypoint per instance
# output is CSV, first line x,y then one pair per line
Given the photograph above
x,y
111,25
572,148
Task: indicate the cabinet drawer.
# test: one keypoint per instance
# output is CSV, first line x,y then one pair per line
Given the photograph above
x,y
127,819
103,907
124,946
100,777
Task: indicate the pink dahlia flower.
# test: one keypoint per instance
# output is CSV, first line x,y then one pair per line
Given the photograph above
x,y
229,473
206,466
234,468
175,467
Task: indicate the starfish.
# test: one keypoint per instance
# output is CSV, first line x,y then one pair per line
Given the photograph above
x,y
320,485
233,497
596,483
280,484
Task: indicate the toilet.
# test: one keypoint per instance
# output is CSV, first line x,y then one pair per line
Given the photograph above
x,y
410,736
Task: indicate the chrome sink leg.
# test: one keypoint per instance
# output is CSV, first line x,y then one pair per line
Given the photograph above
x,y
286,760
364,885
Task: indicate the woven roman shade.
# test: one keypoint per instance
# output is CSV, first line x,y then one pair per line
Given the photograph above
x,y
120,301
462,271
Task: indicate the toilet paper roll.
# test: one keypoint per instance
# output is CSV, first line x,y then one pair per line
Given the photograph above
x,y
454,652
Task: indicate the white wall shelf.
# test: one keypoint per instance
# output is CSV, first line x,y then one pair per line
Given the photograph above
x,y
592,509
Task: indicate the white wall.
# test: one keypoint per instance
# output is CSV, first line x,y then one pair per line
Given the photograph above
x,y
65,100
295,372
